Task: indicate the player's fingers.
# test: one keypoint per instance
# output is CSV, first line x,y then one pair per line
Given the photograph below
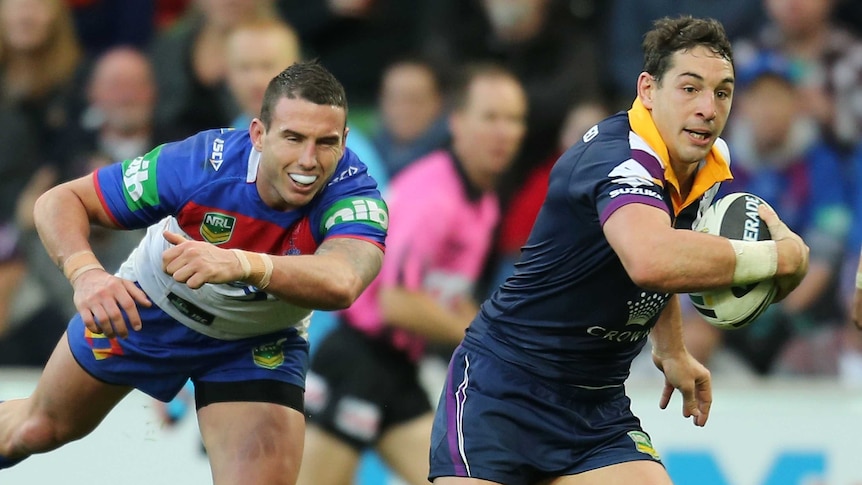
x,y
777,228
768,215
89,321
137,294
704,407
689,402
129,307
103,321
173,237
182,274
666,393
195,281
171,260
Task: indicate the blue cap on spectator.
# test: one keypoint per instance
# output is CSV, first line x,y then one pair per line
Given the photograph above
x,y
765,64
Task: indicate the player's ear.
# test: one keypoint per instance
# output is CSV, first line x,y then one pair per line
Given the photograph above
x,y
344,138
646,89
256,132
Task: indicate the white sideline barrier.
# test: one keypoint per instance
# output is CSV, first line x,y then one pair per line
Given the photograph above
x,y
772,432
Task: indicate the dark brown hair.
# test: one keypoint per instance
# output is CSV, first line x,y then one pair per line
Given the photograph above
x,y
670,35
303,80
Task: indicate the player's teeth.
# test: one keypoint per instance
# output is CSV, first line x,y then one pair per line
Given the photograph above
x,y
303,179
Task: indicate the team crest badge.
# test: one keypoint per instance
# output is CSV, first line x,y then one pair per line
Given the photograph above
x,y
217,228
269,356
643,443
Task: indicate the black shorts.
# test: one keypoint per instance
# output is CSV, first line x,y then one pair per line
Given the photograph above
x,y
359,387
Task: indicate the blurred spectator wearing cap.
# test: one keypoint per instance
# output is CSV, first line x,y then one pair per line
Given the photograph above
x,y
779,155
412,112
826,60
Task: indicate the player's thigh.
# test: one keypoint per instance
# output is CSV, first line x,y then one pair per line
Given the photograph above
x,y
404,447
642,472
327,459
252,442
68,401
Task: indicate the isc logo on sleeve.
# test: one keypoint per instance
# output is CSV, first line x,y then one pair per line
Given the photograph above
x,y
139,181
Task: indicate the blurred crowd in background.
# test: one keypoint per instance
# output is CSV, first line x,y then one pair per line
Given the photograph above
x,y
84,83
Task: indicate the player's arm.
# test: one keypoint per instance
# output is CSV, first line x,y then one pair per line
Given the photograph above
x,y
421,313
681,370
330,279
856,311
63,216
661,258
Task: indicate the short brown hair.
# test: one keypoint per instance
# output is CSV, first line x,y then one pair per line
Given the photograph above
x,y
303,80
670,35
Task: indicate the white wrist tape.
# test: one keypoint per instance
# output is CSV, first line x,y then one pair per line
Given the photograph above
x,y
755,261
859,281
79,263
256,267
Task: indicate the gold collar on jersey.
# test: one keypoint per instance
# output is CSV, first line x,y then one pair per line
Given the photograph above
x,y
715,169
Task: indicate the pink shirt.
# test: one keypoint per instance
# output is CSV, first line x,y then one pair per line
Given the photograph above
x,y
438,241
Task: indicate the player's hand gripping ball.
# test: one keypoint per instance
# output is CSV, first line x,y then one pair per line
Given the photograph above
x,y
735,217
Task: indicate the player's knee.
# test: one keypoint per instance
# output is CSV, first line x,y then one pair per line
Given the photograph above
x,y
40,433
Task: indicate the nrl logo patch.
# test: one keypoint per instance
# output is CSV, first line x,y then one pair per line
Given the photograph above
x,y
269,356
217,228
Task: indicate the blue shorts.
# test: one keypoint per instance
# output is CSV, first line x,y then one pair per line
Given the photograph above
x,y
497,422
160,357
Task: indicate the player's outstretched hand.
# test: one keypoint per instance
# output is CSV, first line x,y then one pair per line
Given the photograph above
x,y
693,380
102,299
195,263
792,253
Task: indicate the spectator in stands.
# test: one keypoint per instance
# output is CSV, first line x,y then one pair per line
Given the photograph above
x,y
552,52
190,64
254,53
117,125
780,156
40,59
628,19
104,24
412,111
356,39
522,209
827,63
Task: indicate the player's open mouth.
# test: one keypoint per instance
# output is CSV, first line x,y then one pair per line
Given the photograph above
x,y
699,135
303,179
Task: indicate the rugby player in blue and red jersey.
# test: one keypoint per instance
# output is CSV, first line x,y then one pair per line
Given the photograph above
x,y
248,231
535,392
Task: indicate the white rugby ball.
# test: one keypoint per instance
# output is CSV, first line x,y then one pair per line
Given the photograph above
x,y
735,216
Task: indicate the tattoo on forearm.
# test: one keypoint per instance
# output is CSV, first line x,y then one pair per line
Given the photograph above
x,y
364,257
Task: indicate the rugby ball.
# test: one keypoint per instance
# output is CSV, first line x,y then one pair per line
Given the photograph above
x,y
734,216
